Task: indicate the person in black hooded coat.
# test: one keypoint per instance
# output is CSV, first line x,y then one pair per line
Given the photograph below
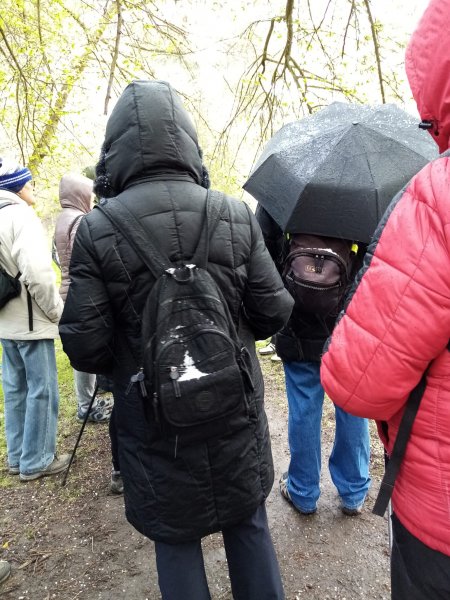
x,y
151,162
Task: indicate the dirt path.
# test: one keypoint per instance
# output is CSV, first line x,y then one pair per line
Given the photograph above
x,y
73,543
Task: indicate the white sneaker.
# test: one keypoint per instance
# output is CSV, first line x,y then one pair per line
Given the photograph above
x,y
275,358
269,349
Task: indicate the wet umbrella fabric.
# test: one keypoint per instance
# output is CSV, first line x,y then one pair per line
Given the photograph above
x,y
334,173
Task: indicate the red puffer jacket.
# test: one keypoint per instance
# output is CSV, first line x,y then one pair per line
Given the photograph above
x,y
398,320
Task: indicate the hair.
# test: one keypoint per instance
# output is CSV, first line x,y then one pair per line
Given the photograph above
x,y
102,184
205,182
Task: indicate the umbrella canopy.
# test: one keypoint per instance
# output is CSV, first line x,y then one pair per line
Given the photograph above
x,y
334,173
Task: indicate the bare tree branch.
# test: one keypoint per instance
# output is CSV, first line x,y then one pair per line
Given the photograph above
x,y
376,49
115,56
42,147
352,10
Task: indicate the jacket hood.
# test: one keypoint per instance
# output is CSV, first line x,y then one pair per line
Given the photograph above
x,y
149,134
75,191
428,69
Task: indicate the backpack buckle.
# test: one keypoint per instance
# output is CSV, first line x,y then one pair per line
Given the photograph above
x,y
184,274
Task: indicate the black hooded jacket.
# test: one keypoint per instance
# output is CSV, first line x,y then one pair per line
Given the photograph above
x,y
151,161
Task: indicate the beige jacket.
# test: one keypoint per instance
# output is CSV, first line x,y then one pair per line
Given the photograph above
x,y
24,248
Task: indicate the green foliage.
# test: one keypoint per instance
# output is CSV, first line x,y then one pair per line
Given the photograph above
x,y
65,62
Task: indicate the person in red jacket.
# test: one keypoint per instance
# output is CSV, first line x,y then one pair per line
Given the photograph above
x,y
397,323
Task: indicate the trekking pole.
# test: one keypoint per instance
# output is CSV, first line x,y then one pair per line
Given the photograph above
x,y
390,526
389,508
83,425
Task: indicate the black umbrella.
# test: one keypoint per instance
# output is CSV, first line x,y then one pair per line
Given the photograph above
x,y
334,173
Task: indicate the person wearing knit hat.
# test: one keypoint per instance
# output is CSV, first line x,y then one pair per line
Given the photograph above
x,y
28,328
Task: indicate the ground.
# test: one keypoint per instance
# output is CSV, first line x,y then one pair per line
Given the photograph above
x,y
73,542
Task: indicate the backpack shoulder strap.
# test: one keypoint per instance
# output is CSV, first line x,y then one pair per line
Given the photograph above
x,y
73,224
398,451
136,235
213,210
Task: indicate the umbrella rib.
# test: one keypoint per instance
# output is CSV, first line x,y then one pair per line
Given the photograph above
x,y
397,141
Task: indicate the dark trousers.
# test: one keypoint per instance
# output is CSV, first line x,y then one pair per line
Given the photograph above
x,y
252,564
417,571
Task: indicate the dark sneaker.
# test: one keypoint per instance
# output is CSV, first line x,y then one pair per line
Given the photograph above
x,y
116,485
100,411
56,466
5,570
352,512
285,493
15,470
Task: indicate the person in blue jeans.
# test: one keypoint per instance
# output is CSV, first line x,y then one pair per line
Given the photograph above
x,y
28,327
300,345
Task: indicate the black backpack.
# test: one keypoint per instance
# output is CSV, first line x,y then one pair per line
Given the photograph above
x,y
196,369
317,271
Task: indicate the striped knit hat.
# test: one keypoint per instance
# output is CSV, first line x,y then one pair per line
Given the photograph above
x,y
13,176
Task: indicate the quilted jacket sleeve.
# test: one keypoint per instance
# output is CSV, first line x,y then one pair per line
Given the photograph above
x,y
267,304
86,326
398,319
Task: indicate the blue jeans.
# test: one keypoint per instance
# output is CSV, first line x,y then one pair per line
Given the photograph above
x,y
349,460
30,388
252,564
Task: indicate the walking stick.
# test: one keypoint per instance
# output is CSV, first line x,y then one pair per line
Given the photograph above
x,y
389,508
83,425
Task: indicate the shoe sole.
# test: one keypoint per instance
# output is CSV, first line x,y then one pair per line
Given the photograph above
x,y
91,419
351,512
39,475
